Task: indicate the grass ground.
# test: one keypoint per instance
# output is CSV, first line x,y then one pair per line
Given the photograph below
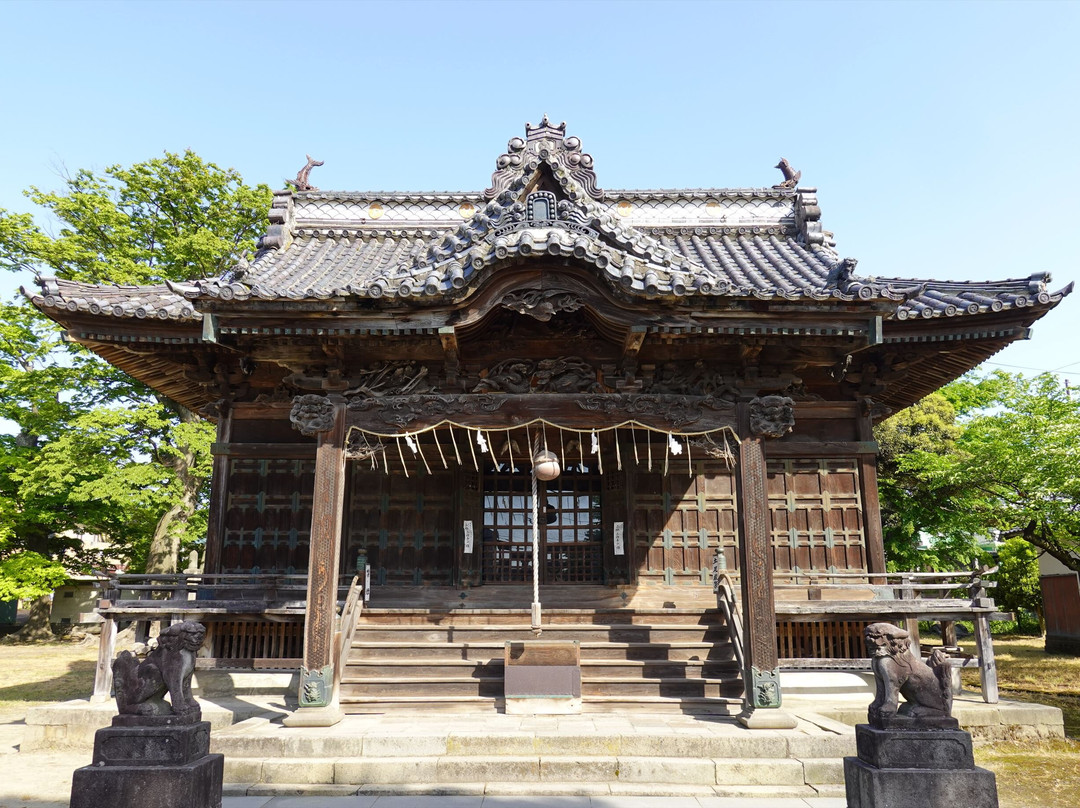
x,y
1030,775
44,673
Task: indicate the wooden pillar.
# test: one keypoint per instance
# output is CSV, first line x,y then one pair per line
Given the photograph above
x,y
873,536
219,493
103,675
761,673
327,421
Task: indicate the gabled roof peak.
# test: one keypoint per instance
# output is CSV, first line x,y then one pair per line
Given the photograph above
x,y
545,129
546,143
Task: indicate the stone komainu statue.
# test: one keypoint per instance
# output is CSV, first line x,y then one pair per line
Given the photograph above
x,y
142,686
926,686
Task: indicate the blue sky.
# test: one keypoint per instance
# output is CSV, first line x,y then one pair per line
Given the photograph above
x,y
941,136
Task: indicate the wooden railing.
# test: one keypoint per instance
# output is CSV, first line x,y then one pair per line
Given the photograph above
x,y
727,599
350,613
821,615
254,621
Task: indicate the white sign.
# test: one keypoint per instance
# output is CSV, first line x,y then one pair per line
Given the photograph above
x,y
367,583
468,536
620,547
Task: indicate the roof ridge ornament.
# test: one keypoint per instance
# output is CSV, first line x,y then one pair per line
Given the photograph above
x,y
302,183
791,176
545,143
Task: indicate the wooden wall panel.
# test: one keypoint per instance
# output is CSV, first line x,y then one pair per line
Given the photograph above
x,y
268,515
405,524
817,514
1061,602
678,522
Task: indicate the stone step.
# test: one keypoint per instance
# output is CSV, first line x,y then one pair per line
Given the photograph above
x,y
689,705
492,686
484,651
406,770
359,705
646,633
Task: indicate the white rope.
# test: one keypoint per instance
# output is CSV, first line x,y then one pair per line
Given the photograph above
x,y
535,545
435,437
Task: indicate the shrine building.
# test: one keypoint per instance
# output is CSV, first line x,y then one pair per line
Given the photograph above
x,y
544,406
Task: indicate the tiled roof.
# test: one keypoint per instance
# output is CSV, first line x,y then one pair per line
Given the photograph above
x,y
952,298
109,300
756,243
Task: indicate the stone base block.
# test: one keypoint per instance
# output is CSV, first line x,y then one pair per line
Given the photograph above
x,y
542,705
190,785
871,787
914,749
161,745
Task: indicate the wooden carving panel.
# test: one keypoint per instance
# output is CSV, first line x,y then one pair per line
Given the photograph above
x,y
268,515
406,524
817,515
679,521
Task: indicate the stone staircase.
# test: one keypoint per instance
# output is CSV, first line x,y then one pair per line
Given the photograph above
x,y
598,754
651,659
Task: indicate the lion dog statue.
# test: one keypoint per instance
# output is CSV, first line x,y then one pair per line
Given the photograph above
x,y
141,686
925,686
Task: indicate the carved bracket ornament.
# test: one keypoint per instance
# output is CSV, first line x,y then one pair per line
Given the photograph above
x,y
541,305
401,411
567,374
312,414
772,416
677,411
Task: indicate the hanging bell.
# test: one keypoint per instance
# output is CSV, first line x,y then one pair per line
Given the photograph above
x,y
546,465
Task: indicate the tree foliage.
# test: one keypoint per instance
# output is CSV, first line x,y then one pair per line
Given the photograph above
x,y
911,444
1018,577
998,459
93,449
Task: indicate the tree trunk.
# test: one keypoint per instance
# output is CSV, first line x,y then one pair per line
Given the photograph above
x,y
164,552
37,628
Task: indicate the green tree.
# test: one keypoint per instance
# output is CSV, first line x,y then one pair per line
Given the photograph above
x,y
915,502
1018,578
95,449
1018,465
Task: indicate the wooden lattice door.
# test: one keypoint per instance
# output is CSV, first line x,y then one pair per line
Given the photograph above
x,y
571,535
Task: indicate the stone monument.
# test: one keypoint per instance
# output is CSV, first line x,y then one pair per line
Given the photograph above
x,y
156,754
912,753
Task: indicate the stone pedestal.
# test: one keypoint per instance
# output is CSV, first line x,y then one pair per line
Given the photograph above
x,y
150,762
930,768
542,677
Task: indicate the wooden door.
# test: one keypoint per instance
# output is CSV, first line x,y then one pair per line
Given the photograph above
x,y
571,536
405,524
679,521
817,515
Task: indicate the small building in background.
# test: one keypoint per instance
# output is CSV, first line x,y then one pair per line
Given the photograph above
x,y
1061,601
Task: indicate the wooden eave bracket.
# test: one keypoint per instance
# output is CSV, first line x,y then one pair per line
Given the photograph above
x,y
632,343
450,348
